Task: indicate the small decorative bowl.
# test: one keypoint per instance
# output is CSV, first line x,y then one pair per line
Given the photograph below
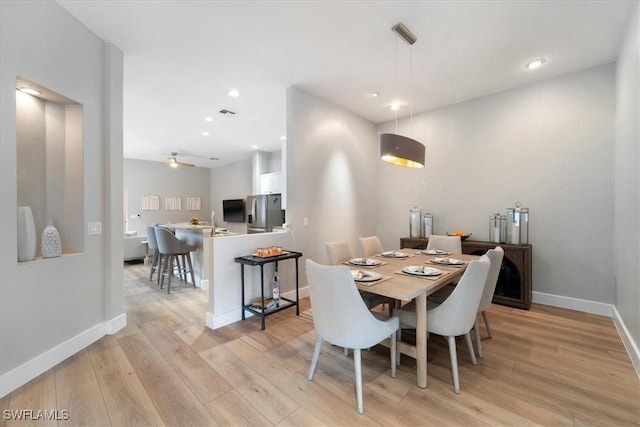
x,y
462,236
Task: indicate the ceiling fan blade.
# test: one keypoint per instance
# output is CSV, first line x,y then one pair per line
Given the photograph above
x,y
186,164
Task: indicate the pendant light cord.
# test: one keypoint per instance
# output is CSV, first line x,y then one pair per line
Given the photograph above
x,y
397,102
411,90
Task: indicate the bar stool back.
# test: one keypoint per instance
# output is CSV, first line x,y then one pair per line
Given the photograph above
x,y
173,249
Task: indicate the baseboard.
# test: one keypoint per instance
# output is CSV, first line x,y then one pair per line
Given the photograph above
x,y
600,308
114,325
627,340
24,373
577,304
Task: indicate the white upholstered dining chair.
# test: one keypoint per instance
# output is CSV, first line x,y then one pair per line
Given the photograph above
x,y
341,318
338,252
456,315
495,255
369,246
445,243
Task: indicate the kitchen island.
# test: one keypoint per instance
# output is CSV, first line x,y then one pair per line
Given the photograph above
x,y
195,235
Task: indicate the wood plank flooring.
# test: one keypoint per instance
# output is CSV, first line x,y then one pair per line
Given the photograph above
x,y
546,366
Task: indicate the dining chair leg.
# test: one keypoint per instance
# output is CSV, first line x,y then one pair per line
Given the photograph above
x,y
160,268
393,348
476,330
357,361
486,323
398,339
454,364
193,277
472,354
314,359
154,265
170,262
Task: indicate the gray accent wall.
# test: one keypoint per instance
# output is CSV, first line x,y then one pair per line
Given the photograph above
x,y
627,179
549,146
47,306
144,178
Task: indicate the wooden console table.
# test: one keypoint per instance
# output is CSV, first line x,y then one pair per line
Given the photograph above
x,y
514,282
253,260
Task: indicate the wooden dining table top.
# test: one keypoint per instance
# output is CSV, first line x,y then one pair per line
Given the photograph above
x,y
405,287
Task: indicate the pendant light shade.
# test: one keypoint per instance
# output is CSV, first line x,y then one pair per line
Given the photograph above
x,y
397,149
402,151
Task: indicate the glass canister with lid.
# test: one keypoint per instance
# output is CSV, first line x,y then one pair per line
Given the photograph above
x,y
517,225
415,215
427,225
495,228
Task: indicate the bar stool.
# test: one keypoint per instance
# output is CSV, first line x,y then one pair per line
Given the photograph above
x,y
173,249
156,260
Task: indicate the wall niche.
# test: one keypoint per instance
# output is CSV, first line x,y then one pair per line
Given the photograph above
x,y
50,162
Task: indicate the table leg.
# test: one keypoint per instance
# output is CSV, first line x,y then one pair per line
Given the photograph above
x,y
242,287
421,340
297,291
262,289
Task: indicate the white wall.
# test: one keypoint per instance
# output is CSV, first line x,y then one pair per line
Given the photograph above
x,y
331,175
51,308
233,181
627,180
144,178
549,146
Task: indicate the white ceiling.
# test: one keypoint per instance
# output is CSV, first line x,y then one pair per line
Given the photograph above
x,y
182,57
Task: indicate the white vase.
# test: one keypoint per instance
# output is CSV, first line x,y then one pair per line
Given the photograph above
x,y
26,234
50,244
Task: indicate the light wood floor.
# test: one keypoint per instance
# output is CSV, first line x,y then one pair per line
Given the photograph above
x,y
545,366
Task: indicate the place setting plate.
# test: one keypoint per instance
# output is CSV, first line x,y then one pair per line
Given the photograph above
x,y
394,254
364,262
365,276
451,262
422,271
434,252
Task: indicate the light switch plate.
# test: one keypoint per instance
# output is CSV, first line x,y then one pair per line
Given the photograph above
x,y
94,228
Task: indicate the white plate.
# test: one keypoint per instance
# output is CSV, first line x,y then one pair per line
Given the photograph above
x,y
447,261
419,270
365,276
394,254
435,252
364,261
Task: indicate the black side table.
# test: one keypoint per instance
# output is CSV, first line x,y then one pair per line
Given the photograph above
x,y
285,303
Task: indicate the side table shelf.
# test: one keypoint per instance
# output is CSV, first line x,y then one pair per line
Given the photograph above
x,y
253,260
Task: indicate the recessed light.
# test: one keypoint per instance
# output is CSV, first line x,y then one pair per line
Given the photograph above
x,y
234,93
208,119
535,63
283,138
254,146
373,95
205,133
395,106
30,91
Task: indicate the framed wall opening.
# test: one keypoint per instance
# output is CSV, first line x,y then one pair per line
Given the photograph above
x,y
50,162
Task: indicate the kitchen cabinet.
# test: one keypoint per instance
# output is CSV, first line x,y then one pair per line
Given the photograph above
x,y
514,281
271,183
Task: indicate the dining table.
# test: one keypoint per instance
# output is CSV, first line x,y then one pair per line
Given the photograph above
x,y
396,283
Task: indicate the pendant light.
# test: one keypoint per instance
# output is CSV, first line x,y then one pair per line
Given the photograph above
x,y
397,149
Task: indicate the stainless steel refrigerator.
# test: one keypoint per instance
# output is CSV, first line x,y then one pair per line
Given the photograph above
x,y
264,212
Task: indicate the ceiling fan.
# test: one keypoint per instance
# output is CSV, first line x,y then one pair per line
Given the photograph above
x,y
174,163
